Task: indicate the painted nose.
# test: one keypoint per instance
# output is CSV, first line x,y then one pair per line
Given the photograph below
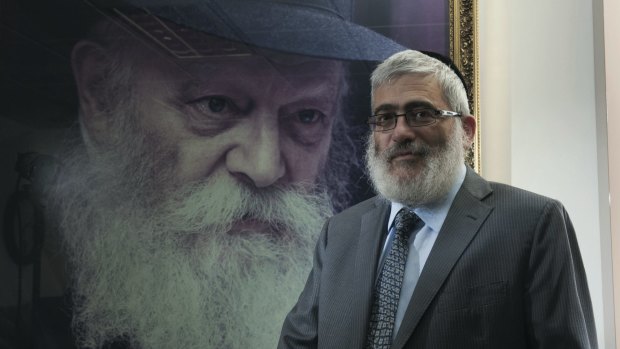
x,y
257,159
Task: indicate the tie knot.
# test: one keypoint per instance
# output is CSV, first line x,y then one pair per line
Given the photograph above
x,y
405,220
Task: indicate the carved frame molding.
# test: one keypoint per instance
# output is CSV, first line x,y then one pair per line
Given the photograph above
x,y
464,53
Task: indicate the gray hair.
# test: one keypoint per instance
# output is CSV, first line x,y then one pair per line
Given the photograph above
x,y
414,62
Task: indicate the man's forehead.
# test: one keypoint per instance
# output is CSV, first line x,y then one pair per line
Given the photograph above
x,y
422,81
406,89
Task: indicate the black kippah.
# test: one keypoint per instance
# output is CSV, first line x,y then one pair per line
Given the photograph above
x,y
447,61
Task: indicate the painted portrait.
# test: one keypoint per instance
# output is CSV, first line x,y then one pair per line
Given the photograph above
x,y
175,160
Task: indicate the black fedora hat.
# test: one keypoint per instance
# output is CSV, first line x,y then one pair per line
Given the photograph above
x,y
321,28
37,87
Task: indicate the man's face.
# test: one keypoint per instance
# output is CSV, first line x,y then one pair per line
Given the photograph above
x,y
407,92
414,165
265,119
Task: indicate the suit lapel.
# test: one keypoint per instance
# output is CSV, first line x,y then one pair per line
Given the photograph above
x,y
464,219
373,227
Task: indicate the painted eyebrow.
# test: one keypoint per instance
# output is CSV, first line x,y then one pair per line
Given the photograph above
x,y
410,105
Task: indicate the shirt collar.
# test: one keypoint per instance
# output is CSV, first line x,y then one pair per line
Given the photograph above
x,y
434,216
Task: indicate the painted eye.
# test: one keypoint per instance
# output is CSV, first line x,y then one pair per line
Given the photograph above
x,y
217,104
210,115
212,104
309,116
307,126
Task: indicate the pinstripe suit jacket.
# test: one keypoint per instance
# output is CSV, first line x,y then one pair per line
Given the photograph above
x,y
505,272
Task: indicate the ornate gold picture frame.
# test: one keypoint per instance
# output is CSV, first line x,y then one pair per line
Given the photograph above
x,y
464,53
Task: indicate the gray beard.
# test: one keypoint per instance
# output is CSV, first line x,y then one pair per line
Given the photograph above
x,y
163,266
431,184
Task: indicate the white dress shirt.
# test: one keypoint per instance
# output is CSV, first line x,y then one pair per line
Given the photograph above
x,y
420,247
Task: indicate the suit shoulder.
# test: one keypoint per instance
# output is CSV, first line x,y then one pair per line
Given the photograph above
x,y
521,197
360,208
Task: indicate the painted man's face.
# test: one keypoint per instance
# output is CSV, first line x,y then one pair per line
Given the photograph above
x,y
195,193
262,119
259,119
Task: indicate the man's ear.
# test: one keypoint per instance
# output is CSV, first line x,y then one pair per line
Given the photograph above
x,y
469,126
89,61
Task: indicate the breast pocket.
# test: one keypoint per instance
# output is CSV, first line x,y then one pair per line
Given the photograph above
x,y
472,297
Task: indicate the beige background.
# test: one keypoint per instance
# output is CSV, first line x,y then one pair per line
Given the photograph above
x,y
550,105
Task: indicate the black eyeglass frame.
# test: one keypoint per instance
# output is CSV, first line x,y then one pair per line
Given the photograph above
x,y
409,115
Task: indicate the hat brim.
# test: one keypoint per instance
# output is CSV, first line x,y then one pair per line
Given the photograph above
x,y
279,26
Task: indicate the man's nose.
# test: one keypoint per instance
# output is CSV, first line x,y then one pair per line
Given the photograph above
x,y
403,131
258,159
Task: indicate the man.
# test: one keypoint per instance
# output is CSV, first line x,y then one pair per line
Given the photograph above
x,y
189,199
469,263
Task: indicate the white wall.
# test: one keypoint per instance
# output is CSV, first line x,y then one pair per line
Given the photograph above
x,y
539,115
608,49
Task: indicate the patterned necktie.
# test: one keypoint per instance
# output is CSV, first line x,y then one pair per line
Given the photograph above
x,y
387,290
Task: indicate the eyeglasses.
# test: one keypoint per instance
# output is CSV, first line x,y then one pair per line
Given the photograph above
x,y
384,122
